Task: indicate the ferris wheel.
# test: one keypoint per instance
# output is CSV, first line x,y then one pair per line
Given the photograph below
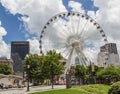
x,y
73,34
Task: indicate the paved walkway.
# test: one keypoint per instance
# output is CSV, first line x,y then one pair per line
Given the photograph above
x,y
32,89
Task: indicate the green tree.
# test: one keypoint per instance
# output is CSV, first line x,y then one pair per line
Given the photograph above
x,y
114,88
52,66
5,69
36,67
80,72
110,72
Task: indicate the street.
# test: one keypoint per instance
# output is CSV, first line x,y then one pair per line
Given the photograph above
x,y
32,89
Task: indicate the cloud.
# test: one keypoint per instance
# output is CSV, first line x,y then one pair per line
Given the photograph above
x,y
108,16
35,14
92,14
4,48
76,6
34,46
38,12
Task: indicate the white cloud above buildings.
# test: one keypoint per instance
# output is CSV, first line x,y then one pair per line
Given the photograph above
x,y
34,46
4,48
38,13
108,16
76,6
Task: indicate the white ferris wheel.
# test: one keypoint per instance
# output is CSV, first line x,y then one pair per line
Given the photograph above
x,y
73,34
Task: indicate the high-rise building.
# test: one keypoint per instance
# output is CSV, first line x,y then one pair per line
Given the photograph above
x,y
19,49
112,48
113,56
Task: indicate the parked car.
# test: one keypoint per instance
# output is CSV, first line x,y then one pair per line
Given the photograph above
x,y
3,86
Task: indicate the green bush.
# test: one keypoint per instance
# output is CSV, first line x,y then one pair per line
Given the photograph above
x,y
115,88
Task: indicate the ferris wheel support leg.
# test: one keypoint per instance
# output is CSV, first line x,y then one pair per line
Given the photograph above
x,y
68,81
67,73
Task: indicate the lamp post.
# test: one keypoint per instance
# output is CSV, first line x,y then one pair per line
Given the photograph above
x,y
24,78
92,73
28,67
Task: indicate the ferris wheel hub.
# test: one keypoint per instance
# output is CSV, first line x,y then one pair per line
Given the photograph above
x,y
75,42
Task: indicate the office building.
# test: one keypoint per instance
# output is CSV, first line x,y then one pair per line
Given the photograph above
x,y
19,49
113,56
112,48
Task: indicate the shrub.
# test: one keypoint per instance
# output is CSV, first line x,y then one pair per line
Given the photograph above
x,y
115,88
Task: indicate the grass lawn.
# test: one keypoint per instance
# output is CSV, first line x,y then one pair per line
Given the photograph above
x,y
87,89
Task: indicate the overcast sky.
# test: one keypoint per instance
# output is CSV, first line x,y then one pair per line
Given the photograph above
x,y
24,19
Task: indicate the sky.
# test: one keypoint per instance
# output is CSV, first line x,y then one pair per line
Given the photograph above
x,y
23,20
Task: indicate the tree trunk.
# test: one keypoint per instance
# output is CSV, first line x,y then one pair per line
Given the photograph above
x,y
52,76
52,82
80,81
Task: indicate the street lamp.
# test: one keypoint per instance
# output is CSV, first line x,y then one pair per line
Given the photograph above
x,y
28,67
92,73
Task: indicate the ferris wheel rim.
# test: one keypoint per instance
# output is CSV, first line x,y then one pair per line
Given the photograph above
x,y
53,19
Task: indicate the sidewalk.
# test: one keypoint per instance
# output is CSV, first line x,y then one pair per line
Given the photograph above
x,y
32,89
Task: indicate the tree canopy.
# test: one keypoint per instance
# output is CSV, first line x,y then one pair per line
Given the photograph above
x,y
44,67
80,73
36,66
109,72
52,65
5,69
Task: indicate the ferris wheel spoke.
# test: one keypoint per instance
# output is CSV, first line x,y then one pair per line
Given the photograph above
x,y
61,29
63,49
72,24
67,53
92,37
49,37
88,55
82,58
81,33
78,26
67,25
85,60
68,64
59,35
58,48
53,45
68,28
63,26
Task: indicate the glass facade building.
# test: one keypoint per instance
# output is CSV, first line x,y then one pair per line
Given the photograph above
x,y
19,49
